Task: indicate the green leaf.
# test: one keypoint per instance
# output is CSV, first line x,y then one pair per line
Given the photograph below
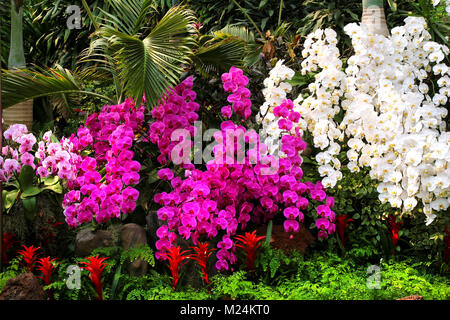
x,y
393,5
26,177
56,188
151,65
9,197
262,4
30,206
51,180
35,83
30,192
115,282
219,56
298,80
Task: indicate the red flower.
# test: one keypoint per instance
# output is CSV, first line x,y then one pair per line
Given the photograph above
x,y
394,227
447,245
46,267
175,257
8,242
29,256
201,255
250,243
342,224
95,266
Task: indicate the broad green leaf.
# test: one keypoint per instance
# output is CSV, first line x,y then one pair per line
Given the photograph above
x,y
26,177
298,80
9,197
30,205
30,192
51,180
36,82
56,188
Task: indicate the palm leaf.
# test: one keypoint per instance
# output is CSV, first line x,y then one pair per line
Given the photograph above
x,y
219,56
128,16
152,65
239,32
35,83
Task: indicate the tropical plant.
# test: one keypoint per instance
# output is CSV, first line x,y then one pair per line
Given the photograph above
x,y
175,257
249,243
201,255
29,257
139,60
95,266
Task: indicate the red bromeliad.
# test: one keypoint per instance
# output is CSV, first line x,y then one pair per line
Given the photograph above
x,y
394,227
201,255
29,257
250,243
342,224
8,242
175,257
46,267
95,266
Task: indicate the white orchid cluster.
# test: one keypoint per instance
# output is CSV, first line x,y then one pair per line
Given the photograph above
x,y
391,122
446,2
275,91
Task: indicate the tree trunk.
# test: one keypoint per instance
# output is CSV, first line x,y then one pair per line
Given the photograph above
x,y
22,112
16,53
374,18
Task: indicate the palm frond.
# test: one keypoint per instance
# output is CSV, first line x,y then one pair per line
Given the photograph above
x,y
239,32
26,84
128,16
152,65
220,56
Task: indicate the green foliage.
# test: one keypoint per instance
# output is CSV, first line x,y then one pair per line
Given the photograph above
x,y
25,187
233,286
215,15
274,266
142,251
436,17
13,270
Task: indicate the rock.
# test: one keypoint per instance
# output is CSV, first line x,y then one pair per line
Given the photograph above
x,y
413,297
281,239
23,287
86,241
132,234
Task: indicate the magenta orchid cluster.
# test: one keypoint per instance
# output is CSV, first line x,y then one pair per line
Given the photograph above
x,y
103,179
238,187
177,111
291,144
51,158
235,82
